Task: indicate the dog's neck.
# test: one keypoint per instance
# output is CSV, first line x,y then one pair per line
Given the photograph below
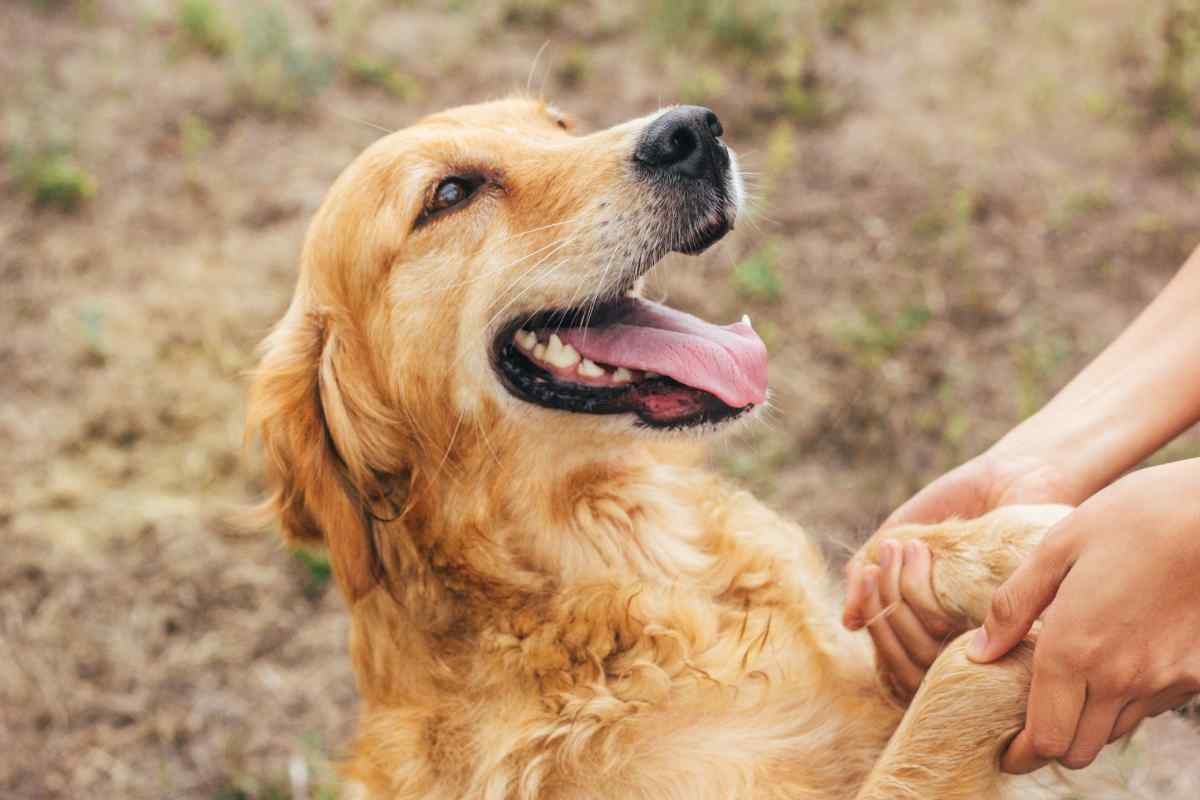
x,y
488,546
504,530
605,537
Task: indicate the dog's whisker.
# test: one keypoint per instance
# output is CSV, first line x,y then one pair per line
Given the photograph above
x,y
498,269
533,68
479,424
591,310
450,444
364,122
528,284
560,244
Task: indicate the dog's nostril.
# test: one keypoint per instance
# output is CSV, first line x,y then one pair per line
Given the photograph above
x,y
682,143
714,125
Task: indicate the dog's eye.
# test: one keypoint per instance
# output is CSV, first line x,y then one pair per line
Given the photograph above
x,y
449,193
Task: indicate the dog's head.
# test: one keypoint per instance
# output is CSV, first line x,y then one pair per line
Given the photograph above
x,y
482,268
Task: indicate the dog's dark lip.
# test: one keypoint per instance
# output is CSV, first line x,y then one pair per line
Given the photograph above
x,y
706,237
529,382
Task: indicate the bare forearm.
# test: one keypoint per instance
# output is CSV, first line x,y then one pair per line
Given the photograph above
x,y
1141,392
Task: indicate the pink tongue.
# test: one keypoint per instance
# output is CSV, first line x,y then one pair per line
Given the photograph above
x,y
728,361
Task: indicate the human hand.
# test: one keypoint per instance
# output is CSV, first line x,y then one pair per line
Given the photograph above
x,y
895,600
1119,582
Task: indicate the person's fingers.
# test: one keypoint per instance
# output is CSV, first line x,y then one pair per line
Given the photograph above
x,y
852,615
1094,731
921,647
1020,600
1139,710
1056,701
1019,758
1129,718
892,655
916,585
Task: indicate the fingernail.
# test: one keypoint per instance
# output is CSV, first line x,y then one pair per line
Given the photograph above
x,y
978,645
885,554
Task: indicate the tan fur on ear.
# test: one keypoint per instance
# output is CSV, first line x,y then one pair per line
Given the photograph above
x,y
307,431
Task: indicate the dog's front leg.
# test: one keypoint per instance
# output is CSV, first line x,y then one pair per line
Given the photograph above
x,y
949,743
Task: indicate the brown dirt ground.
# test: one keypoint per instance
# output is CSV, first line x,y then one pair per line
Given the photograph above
x,y
958,203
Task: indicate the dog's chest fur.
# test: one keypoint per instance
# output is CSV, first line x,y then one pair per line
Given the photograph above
x,y
647,600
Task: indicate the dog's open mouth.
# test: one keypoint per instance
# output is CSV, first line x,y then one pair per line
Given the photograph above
x,y
669,368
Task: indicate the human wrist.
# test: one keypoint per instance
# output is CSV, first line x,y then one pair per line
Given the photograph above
x,y
1092,433
1072,461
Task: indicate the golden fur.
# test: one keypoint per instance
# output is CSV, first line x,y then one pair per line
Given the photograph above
x,y
553,605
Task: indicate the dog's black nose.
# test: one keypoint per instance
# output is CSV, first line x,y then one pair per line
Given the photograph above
x,y
684,141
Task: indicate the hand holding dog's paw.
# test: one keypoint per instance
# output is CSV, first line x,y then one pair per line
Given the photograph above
x,y
894,600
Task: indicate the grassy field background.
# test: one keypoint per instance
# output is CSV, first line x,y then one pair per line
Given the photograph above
x,y
957,203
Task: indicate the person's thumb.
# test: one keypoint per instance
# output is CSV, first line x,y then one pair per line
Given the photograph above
x,y
1020,600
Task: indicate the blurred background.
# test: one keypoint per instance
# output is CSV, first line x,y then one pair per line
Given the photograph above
x,y
956,204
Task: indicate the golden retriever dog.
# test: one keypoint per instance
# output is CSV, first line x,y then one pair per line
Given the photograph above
x,y
495,436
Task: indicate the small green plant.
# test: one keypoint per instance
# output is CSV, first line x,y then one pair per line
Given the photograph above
x,y
801,93
702,86
778,162
575,67
533,13
96,347
757,278
52,177
1036,359
310,774
271,72
804,102
368,72
1183,148
254,790
202,26
840,16
1082,203
317,571
743,29
930,224
195,136
1175,93
874,338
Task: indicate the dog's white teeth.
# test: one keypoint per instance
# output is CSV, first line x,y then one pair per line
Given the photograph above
x,y
622,375
649,374
560,355
539,351
526,340
590,369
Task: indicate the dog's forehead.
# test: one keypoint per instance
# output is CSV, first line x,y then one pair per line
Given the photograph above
x,y
477,136
516,113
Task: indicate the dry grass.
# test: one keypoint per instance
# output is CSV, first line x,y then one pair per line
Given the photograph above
x,y
957,204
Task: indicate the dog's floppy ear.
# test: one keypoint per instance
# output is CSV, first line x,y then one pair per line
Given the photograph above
x,y
310,447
